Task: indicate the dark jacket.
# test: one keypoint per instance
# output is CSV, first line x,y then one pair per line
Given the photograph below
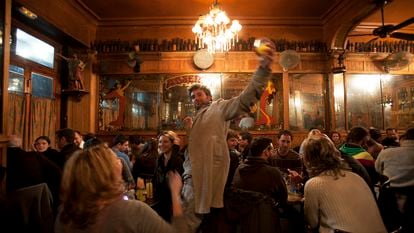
x,y
60,157
257,175
163,193
29,210
25,169
252,211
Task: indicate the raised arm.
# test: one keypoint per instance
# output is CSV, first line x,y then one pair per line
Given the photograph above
x,y
126,85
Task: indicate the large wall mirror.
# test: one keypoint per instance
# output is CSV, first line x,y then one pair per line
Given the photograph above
x,y
375,100
160,101
306,101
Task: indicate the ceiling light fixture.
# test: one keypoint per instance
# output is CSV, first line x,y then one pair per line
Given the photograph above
x,y
26,12
214,32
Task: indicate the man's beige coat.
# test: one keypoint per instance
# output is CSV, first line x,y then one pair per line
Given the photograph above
x,y
207,145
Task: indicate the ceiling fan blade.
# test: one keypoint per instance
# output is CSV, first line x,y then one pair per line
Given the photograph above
x,y
403,24
402,36
366,34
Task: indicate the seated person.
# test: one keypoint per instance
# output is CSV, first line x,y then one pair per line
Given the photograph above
x,y
26,169
257,175
232,142
336,138
245,139
373,146
391,138
331,190
357,138
398,165
42,146
284,157
312,131
92,198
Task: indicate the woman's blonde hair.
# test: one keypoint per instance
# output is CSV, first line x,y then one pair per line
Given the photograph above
x,y
320,155
89,182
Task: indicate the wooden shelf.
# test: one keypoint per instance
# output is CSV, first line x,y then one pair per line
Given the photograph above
x,y
77,94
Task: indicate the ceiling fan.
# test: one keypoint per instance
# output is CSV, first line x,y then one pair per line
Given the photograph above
x,y
389,30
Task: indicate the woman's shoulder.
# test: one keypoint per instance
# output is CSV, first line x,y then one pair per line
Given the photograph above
x,y
136,215
128,208
320,181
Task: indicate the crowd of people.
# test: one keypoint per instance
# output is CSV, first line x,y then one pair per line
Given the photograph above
x,y
220,177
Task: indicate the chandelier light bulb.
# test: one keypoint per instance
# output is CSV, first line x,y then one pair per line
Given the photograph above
x,y
212,31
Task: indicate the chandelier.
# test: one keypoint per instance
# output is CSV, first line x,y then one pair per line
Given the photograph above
x,y
214,32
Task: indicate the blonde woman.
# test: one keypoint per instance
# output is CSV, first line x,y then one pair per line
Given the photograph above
x,y
92,198
335,197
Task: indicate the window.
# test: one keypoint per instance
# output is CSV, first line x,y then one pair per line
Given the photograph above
x,y
16,79
42,86
34,49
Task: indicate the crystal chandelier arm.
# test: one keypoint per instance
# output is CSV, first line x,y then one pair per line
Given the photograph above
x,y
213,30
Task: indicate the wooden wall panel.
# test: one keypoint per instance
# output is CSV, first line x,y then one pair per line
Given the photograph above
x,y
181,62
66,16
372,63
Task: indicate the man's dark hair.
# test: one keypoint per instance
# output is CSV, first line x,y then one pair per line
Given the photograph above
x,y
134,139
258,145
201,87
356,134
285,132
91,142
409,134
120,139
231,134
46,138
67,133
375,133
88,136
246,136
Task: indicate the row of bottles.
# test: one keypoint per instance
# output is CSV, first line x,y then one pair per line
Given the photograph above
x,y
178,44
381,46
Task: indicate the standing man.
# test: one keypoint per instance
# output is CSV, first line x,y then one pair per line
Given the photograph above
x,y
207,157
